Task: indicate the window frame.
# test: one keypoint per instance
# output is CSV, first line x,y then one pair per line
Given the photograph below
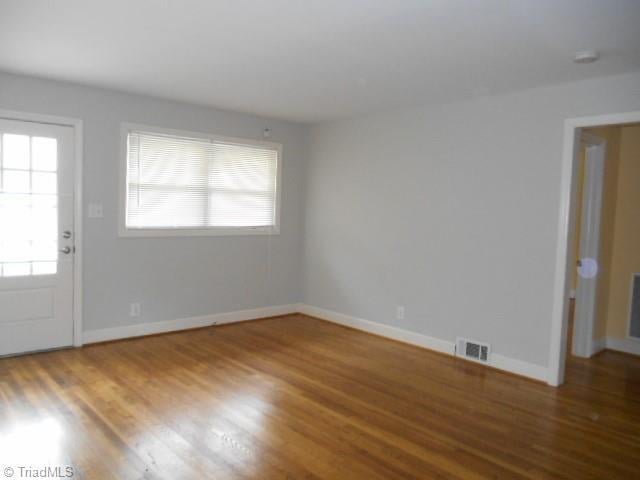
x,y
124,231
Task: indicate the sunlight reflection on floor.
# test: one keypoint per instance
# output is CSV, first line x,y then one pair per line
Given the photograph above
x,y
38,442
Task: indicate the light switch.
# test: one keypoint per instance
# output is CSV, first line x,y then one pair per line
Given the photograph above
x,y
95,210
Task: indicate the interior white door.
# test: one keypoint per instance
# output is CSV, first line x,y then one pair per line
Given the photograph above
x,y
589,246
36,236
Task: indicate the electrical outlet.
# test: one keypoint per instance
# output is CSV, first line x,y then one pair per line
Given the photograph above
x,y
400,312
134,310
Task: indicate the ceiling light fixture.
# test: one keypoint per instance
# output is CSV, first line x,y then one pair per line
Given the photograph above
x,y
586,56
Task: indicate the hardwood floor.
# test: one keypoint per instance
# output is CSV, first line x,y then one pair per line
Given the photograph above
x,y
295,397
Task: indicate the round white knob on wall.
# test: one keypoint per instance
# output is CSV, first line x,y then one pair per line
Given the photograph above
x,y
587,268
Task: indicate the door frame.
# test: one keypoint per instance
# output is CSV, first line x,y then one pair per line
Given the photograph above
x,y
77,126
589,239
566,224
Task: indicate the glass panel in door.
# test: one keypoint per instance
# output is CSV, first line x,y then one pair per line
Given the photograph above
x,y
28,205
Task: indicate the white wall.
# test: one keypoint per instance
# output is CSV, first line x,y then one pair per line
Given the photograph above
x,y
450,211
171,277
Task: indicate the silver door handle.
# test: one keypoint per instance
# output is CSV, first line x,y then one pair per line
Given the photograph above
x,y
65,250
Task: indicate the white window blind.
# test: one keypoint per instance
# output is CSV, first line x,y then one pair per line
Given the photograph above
x,y
176,182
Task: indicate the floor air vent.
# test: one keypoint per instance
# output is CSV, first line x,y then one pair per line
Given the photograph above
x,y
472,350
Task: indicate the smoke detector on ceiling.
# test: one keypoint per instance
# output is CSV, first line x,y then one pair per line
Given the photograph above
x,y
586,56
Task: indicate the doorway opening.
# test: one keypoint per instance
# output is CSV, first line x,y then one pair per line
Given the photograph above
x,y
597,296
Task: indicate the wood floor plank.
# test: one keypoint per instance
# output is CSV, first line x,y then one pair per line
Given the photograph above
x,y
295,397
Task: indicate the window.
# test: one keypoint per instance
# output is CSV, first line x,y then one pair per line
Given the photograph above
x,y
28,205
193,184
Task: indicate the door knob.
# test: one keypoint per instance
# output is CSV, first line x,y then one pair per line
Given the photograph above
x,y
65,250
588,268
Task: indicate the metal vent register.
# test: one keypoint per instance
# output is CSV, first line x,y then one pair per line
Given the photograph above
x,y
472,350
634,309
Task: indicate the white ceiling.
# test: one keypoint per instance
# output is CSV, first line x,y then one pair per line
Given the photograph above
x,y
315,60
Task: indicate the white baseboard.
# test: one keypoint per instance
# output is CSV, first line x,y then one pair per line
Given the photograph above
x,y
501,362
141,329
626,345
519,367
598,345
379,329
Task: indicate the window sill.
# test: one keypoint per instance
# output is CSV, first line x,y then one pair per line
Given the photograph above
x,y
196,232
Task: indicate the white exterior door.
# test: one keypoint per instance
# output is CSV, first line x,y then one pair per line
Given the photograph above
x,y
36,236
